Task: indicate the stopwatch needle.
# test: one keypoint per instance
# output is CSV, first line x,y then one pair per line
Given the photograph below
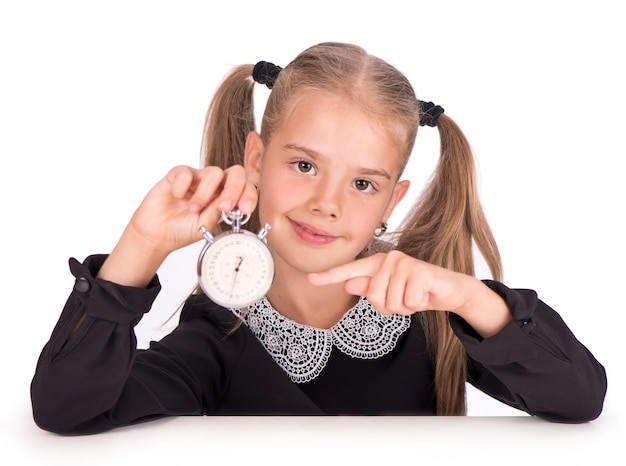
x,y
232,288
239,263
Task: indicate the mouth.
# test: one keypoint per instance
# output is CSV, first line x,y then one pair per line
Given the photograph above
x,y
311,234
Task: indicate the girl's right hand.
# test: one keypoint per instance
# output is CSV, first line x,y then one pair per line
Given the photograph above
x,y
170,217
187,198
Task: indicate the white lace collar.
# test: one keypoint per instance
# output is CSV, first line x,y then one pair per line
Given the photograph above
x,y
303,351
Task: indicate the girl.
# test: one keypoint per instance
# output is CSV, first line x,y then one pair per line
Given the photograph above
x,y
352,323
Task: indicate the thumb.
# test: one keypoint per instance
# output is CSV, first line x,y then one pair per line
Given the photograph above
x,y
357,286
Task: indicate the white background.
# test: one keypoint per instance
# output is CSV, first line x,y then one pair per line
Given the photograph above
x,y
99,99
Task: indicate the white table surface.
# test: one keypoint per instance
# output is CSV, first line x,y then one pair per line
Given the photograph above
x,y
325,440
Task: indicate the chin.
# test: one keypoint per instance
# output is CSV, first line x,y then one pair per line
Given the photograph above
x,y
322,263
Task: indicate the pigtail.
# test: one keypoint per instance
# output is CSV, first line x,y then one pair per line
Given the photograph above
x,y
229,120
442,229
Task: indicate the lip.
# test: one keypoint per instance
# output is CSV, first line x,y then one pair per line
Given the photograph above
x,y
312,235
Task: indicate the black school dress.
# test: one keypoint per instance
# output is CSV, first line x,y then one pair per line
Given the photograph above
x,y
367,364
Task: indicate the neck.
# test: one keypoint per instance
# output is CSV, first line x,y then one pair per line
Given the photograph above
x,y
317,306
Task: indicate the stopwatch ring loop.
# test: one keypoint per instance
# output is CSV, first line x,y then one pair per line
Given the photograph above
x,y
235,218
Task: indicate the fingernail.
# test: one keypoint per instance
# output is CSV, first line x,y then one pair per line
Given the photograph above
x,y
194,208
225,205
246,207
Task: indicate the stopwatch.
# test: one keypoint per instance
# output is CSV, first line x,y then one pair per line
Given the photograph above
x,y
235,267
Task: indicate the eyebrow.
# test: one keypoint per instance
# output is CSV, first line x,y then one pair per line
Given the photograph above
x,y
317,156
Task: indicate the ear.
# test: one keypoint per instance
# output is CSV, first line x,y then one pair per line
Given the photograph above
x,y
399,191
253,157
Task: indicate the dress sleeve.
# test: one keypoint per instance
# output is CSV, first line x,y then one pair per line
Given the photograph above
x,y
534,363
91,381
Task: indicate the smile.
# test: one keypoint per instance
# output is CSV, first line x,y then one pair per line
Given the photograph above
x,y
312,235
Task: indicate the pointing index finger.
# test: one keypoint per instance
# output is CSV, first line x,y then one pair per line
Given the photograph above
x,y
366,267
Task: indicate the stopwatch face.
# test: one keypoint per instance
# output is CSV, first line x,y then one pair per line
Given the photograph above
x,y
236,270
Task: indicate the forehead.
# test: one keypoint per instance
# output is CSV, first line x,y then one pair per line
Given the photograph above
x,y
335,127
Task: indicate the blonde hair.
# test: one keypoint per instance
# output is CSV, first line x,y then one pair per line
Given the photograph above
x,y
444,223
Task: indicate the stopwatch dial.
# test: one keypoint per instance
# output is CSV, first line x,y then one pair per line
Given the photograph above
x,y
237,270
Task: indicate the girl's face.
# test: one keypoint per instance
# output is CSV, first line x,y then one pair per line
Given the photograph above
x,y
327,179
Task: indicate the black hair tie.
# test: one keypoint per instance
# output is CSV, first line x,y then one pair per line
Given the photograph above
x,y
429,113
266,73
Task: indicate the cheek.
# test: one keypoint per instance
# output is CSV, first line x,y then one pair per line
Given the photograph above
x,y
264,211
365,224
364,217
275,196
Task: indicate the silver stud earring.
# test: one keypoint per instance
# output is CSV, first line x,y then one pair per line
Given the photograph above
x,y
381,229
256,186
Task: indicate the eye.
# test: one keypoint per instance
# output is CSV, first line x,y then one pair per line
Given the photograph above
x,y
304,166
364,186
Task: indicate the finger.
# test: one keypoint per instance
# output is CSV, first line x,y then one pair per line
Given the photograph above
x,y
366,267
379,288
180,179
406,291
249,198
397,291
234,184
207,218
207,186
417,295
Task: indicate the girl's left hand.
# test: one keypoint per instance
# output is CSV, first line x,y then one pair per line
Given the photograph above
x,y
395,283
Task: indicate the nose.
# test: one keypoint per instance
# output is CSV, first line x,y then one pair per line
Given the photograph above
x,y
327,199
